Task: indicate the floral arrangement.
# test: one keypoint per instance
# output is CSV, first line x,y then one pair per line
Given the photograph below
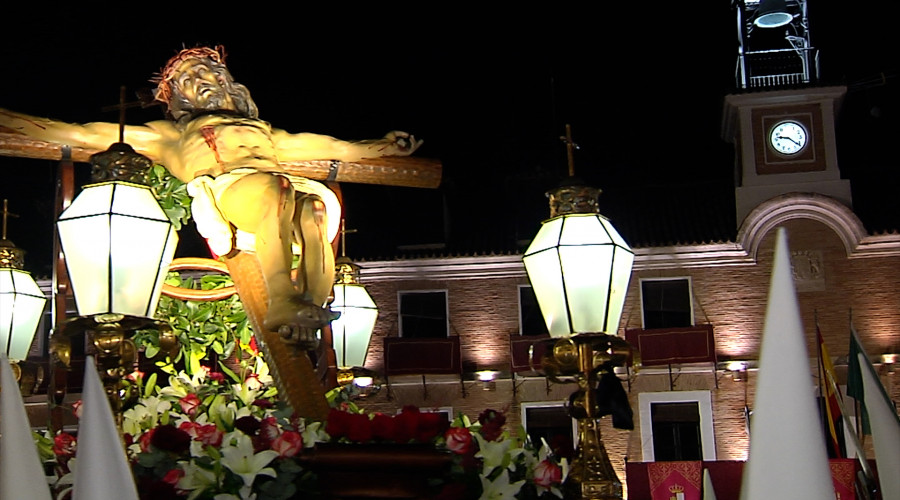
x,y
490,463
220,433
209,436
206,436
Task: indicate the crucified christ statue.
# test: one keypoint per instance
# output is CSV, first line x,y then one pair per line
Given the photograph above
x,y
230,159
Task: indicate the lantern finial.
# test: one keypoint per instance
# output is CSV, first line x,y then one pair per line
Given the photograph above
x,y
10,255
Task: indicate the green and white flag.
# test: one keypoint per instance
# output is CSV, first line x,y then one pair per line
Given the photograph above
x,y
879,416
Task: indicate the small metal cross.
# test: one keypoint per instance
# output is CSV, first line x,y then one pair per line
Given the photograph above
x,y
344,232
6,213
571,146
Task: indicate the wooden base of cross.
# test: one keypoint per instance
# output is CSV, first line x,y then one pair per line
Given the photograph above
x,y
297,381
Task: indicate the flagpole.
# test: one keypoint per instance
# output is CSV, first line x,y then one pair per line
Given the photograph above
x,y
820,368
861,453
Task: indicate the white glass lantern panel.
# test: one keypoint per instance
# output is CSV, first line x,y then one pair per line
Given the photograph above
x,y
138,249
586,270
21,306
143,247
616,237
547,237
621,275
352,331
352,295
137,201
546,278
85,243
168,255
94,199
583,229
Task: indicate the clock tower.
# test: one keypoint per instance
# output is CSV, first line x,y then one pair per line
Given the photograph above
x,y
783,128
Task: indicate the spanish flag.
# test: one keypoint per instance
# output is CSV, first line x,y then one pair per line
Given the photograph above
x,y
831,402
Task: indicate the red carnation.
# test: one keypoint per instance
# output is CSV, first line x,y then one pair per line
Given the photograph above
x,y
360,429
431,425
209,435
407,424
145,440
459,440
189,404
169,438
64,446
384,427
217,377
492,422
268,429
262,403
547,474
173,476
288,444
77,408
338,423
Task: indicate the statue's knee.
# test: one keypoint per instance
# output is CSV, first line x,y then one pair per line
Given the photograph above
x,y
311,207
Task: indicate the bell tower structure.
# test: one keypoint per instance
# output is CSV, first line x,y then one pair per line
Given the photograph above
x,y
781,123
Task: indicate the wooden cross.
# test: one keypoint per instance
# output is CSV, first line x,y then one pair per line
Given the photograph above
x,y
292,370
405,171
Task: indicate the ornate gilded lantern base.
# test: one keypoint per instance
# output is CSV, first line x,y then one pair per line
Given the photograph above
x,y
591,359
110,341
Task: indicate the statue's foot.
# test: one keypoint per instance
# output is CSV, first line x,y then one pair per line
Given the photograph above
x,y
297,321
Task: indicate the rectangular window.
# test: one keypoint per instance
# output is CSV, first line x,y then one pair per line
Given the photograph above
x,y
676,425
531,321
423,314
550,421
676,431
667,303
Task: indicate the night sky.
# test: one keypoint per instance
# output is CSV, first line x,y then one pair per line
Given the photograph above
x,y
489,92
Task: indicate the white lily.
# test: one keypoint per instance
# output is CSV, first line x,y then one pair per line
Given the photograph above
x,y
197,479
241,460
314,433
500,488
497,454
245,393
145,415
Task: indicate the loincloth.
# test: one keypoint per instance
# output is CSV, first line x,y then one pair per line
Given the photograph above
x,y
219,233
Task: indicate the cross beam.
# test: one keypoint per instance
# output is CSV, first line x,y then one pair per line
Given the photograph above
x,y
388,171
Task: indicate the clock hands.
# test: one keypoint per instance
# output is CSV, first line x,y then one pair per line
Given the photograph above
x,y
788,138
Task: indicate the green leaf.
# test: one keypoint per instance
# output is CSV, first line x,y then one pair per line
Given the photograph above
x,y
150,385
230,373
229,348
150,351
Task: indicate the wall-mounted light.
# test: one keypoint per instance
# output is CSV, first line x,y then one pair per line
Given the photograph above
x,y
890,361
488,378
738,369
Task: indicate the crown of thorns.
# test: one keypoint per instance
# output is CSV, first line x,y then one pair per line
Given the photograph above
x,y
165,76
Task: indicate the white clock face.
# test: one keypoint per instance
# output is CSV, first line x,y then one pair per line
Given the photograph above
x,y
788,137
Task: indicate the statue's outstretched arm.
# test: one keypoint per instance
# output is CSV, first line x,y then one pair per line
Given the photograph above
x,y
147,139
306,146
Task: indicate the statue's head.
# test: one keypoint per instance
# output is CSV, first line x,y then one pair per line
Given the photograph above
x,y
196,80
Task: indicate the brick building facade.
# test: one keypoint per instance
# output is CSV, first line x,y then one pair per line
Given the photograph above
x,y
839,271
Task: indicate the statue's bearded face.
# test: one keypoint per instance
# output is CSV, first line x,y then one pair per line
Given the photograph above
x,y
205,85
